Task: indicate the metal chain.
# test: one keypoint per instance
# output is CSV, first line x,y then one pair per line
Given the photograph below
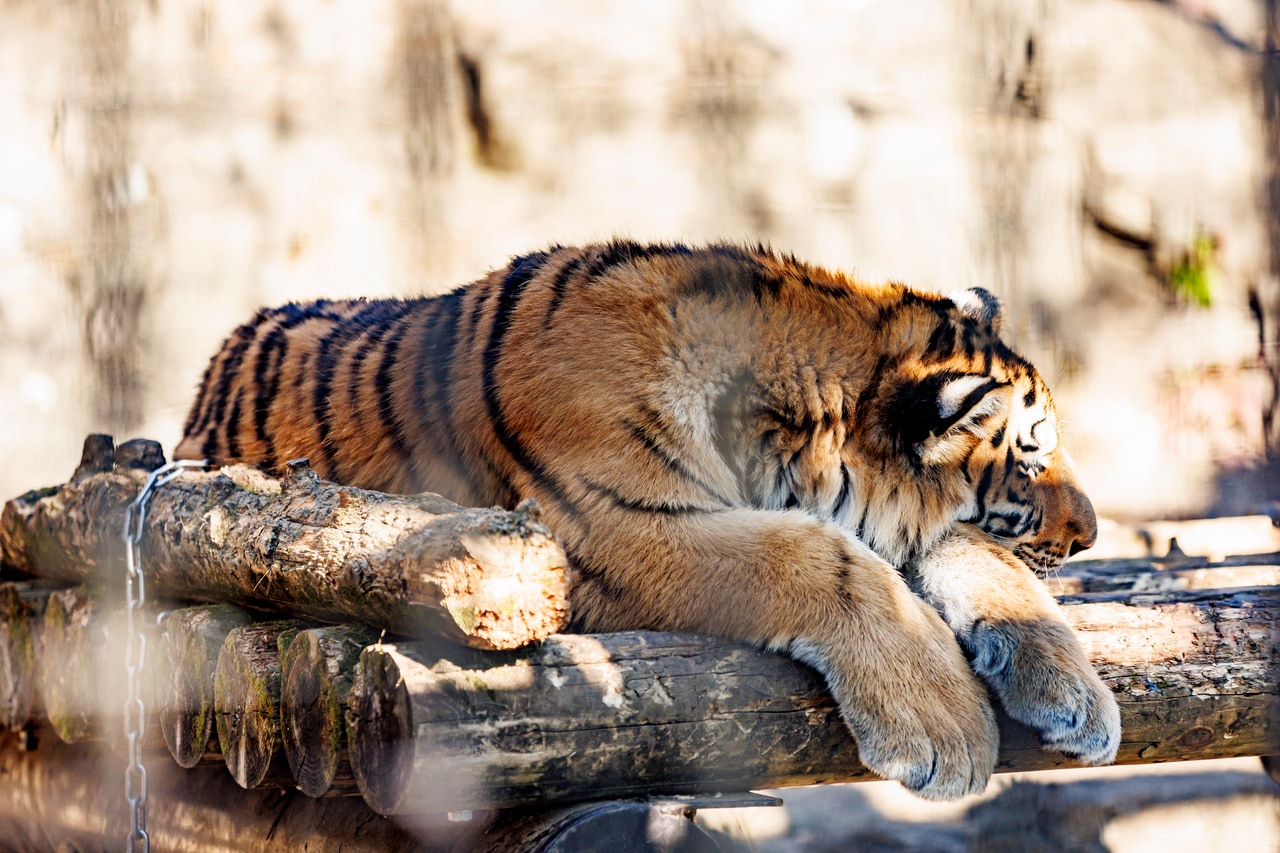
x,y
135,710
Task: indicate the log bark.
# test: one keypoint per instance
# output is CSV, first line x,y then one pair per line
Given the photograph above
x,y
1193,573
69,658
416,565
589,717
22,608
188,648
316,671
246,702
71,797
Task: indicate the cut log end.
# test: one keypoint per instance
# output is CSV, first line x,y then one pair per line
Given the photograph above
x,y
21,608
189,648
68,687
315,682
510,589
380,726
246,689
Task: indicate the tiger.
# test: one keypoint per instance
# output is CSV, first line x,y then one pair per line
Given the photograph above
x,y
727,441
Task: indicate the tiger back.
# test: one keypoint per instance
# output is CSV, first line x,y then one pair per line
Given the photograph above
x,y
726,441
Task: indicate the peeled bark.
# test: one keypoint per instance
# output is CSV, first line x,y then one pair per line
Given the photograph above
x,y
633,714
316,670
413,564
246,702
189,647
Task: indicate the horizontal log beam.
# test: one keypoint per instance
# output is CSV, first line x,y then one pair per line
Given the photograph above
x,y
71,797
417,565
1180,572
631,714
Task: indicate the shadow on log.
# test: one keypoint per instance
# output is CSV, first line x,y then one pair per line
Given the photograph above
x,y
632,714
417,565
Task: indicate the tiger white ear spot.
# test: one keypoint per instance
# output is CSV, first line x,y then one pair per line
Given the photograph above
x,y
979,304
957,395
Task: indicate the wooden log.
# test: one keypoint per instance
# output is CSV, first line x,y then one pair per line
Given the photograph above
x,y
316,671
188,648
71,636
22,608
1154,575
416,565
587,717
246,702
71,797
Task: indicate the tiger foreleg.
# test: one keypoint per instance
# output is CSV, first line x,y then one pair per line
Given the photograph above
x,y
1020,644
791,583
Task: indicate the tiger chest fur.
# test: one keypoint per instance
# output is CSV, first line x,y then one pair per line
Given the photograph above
x,y
730,442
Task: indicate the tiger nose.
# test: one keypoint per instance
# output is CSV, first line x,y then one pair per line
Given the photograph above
x,y
1083,526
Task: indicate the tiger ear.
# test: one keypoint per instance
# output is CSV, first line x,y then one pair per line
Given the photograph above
x,y
926,416
979,304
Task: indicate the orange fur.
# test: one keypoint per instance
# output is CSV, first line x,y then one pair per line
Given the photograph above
x,y
725,440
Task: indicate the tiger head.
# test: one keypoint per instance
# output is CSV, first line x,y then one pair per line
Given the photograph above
x,y
976,425
900,415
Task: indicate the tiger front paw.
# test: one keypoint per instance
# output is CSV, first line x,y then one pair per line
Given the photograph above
x,y
918,714
1044,680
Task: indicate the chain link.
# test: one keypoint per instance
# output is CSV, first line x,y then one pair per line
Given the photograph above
x,y
135,709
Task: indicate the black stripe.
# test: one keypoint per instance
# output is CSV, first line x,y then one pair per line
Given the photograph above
x,y
373,333
971,399
232,427
968,333
560,285
444,338
221,389
269,386
713,278
980,494
589,573
998,437
940,306
518,277
272,343
942,343
242,337
1029,398
479,294
846,486
328,353
671,463
869,390
622,502
382,383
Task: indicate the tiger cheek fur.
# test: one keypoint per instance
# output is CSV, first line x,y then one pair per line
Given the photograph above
x,y
726,441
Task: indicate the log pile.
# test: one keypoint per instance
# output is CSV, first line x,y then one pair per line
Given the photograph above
x,y
332,641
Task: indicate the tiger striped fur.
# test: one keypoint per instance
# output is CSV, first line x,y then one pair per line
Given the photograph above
x,y
731,442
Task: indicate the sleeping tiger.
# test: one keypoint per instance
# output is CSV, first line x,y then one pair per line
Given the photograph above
x,y
729,442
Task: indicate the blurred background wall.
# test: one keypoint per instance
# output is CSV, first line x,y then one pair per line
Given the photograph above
x,y
168,166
